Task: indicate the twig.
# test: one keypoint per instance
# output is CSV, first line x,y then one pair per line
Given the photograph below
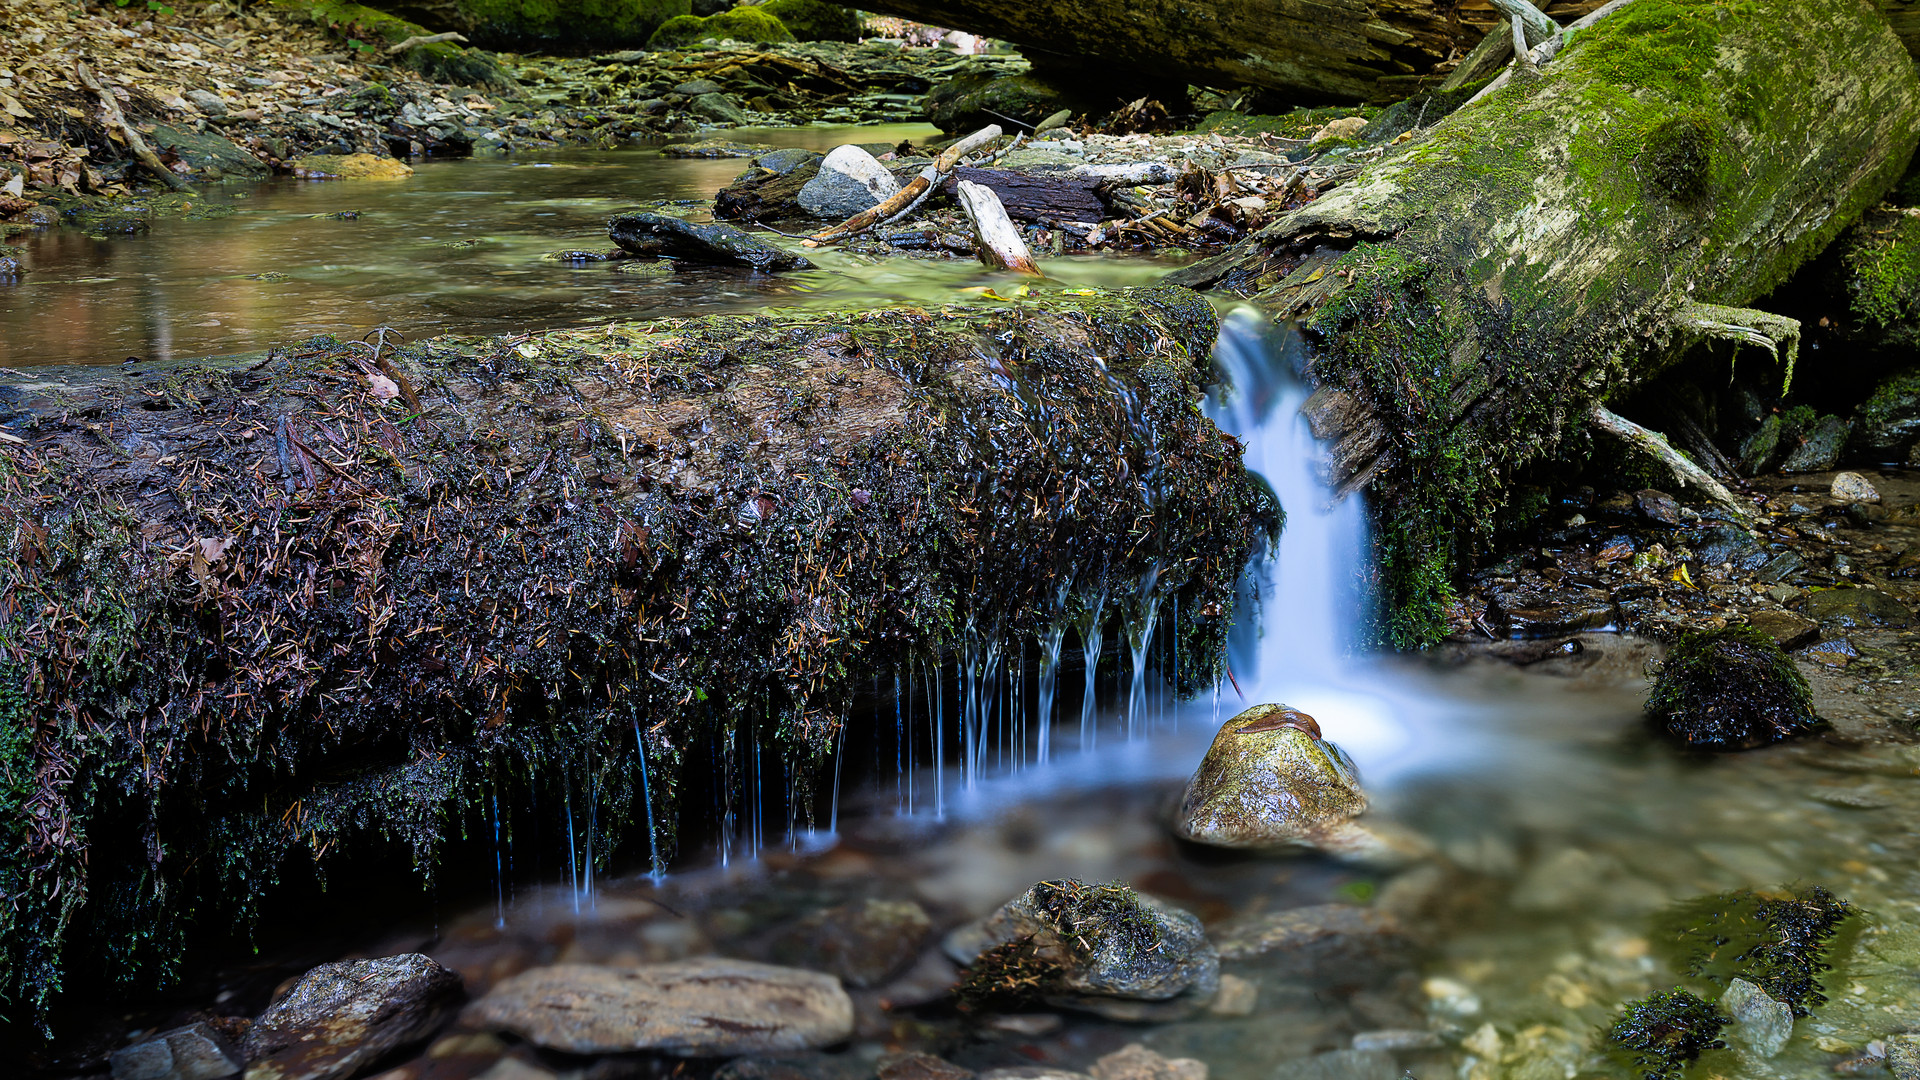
x,y
929,177
418,40
1684,471
110,108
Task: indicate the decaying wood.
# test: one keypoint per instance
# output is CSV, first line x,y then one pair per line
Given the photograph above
x,y
1473,294
1037,197
995,236
110,111
418,40
1685,473
910,196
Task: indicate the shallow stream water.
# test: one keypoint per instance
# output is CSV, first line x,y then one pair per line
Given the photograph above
x,y
1561,831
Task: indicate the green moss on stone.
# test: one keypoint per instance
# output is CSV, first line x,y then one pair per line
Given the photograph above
x,y
739,24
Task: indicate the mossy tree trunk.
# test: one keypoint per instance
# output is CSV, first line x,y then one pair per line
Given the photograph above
x,y
254,612
1477,291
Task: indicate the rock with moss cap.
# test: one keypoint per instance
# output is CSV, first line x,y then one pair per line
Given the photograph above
x,y
1269,781
1731,689
815,20
739,24
1103,949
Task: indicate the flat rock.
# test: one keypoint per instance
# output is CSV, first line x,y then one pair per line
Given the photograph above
x,y
1855,608
1789,630
850,180
349,167
194,1052
342,1017
710,1007
664,236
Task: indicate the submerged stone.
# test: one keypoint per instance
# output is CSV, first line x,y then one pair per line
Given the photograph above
x,y
710,1007
342,1017
1731,689
664,236
1100,948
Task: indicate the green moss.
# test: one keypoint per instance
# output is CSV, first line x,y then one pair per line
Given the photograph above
x,y
815,20
739,24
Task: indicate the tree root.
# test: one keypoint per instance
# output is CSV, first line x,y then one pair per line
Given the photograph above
x,y
1685,472
1774,333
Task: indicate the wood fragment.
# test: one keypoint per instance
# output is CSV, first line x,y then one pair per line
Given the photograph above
x,y
418,40
995,236
110,110
1685,472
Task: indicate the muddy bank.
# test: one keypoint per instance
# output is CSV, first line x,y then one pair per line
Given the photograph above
x,y
274,610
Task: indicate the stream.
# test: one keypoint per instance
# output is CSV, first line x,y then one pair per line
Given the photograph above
x,y
1562,831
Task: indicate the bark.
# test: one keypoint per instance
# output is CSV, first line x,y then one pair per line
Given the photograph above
x,y
1336,50
252,612
1474,294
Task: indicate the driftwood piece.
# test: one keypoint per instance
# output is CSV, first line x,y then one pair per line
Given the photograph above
x,y
110,110
1036,196
995,237
1474,293
910,196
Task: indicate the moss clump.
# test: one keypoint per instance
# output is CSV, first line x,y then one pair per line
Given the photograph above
x,y
521,24
1731,689
1664,1033
815,20
1777,941
739,24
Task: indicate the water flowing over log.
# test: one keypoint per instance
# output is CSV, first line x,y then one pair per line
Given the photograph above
x,y
253,612
1478,290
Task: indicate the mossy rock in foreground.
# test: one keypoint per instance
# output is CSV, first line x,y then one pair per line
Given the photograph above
x,y
815,20
739,24
256,619
1730,689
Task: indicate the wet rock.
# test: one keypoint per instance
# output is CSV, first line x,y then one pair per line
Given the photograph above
x,y
1789,631
1821,446
1730,689
663,236
1848,609
1657,507
709,1007
718,108
1136,1062
1340,1065
194,1052
1100,948
864,943
918,1066
715,148
849,181
349,167
785,160
1270,781
343,1016
1903,1056
1534,611
967,105
1854,488
1759,1021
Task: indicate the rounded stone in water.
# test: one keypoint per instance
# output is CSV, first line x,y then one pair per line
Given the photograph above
x,y
1269,780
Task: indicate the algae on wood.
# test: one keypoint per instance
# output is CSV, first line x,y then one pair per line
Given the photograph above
x,y
1474,293
251,612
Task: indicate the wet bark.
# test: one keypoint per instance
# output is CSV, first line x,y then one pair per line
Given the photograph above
x,y
269,610
1478,290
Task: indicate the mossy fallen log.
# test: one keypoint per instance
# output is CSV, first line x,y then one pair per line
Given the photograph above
x,y
1474,293
267,611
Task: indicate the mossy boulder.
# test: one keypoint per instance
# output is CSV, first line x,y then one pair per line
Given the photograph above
x,y
522,25
1731,689
738,24
1099,948
815,20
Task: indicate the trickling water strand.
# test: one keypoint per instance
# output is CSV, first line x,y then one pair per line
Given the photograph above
x,y
1092,641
